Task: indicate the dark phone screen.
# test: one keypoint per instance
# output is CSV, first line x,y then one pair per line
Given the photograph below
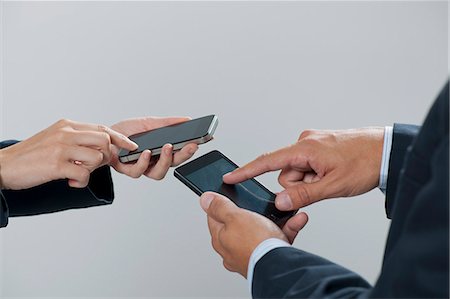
x,y
248,195
174,134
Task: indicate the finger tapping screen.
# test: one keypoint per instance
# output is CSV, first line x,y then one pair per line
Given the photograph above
x,y
248,195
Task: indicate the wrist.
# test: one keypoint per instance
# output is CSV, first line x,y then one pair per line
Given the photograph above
x,y
5,155
384,168
2,167
374,155
262,249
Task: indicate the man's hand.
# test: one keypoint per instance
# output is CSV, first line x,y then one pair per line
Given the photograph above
x,y
67,149
322,164
150,167
235,232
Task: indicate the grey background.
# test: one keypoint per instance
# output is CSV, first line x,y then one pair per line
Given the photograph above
x,y
268,70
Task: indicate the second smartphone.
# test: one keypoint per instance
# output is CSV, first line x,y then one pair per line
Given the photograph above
x,y
199,130
205,174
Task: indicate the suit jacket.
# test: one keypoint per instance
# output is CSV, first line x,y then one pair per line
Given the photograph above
x,y
56,195
416,259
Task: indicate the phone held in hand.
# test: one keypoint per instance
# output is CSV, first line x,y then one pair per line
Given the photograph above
x,y
199,130
205,174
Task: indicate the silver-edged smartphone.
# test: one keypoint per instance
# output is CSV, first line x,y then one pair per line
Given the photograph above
x,y
199,130
205,174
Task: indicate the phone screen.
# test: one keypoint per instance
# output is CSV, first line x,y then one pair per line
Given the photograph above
x,y
248,195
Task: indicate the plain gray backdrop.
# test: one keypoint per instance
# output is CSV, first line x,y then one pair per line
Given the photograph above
x,y
268,70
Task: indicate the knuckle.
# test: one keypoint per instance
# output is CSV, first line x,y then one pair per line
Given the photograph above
x,y
83,176
219,210
281,180
305,134
157,177
263,156
60,135
228,266
161,176
299,159
103,128
63,122
214,205
313,143
302,196
106,139
99,158
215,244
229,216
135,175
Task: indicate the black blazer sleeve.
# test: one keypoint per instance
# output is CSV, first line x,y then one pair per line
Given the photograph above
x,y
403,137
416,259
288,272
3,211
56,195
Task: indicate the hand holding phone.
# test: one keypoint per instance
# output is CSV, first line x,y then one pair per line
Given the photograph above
x,y
205,174
197,131
152,168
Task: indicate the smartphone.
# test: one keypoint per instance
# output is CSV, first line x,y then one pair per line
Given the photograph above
x,y
199,130
205,174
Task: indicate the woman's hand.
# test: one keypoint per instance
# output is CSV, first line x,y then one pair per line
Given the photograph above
x,y
66,150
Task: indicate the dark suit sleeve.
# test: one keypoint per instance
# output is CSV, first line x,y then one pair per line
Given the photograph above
x,y
416,259
56,195
288,272
402,139
3,211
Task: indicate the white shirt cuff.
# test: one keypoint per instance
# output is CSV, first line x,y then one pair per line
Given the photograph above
x,y
384,170
263,248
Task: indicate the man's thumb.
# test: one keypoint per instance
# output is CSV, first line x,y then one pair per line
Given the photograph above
x,y
298,196
206,199
217,206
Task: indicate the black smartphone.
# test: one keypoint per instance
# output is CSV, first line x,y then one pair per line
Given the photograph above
x,y
205,174
199,130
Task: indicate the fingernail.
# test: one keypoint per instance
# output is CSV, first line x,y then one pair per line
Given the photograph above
x,y
283,202
135,145
126,138
147,154
168,149
225,176
205,200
